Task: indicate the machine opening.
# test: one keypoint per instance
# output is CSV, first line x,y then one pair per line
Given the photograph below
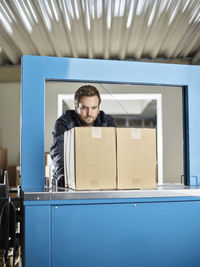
x,y
132,106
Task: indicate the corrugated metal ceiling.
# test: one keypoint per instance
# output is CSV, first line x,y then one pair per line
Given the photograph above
x,y
161,30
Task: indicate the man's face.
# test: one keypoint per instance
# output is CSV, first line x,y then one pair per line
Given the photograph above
x,y
88,109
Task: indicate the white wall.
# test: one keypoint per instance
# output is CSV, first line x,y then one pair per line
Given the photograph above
x,y
10,120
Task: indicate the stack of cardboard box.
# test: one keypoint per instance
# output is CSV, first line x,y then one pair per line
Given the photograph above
x,y
3,158
48,170
3,153
14,175
106,158
13,170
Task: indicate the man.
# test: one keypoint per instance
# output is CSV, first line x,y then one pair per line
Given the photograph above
x,y
87,113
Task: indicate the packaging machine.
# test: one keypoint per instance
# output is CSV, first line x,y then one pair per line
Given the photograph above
x,y
108,228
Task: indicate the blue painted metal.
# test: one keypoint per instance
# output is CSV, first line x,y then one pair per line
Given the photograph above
x,y
194,126
118,234
37,236
35,70
125,235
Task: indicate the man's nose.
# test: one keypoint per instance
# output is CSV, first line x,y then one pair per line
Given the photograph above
x,y
89,111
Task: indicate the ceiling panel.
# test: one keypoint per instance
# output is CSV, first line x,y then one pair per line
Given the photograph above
x,y
154,30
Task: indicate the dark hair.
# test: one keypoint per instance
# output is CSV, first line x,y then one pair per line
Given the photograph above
x,y
86,90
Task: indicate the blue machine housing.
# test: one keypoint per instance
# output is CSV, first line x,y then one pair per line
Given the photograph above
x,y
35,70
126,232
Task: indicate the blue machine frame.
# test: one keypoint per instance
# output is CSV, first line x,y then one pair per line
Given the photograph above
x,y
35,70
138,232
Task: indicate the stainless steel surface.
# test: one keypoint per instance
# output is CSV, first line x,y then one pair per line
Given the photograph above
x,y
167,190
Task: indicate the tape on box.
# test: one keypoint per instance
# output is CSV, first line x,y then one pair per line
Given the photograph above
x,y
96,132
135,133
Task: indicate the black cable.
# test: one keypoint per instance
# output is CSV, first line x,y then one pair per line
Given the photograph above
x,y
4,231
12,229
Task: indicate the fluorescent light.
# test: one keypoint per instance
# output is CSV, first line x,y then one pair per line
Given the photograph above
x,y
151,17
185,6
119,8
54,10
118,96
99,9
122,8
32,11
140,7
7,7
5,23
108,21
29,15
23,16
66,16
168,5
174,13
69,7
129,96
76,9
45,15
6,14
116,8
47,8
194,13
130,14
83,5
197,18
88,16
162,7
91,8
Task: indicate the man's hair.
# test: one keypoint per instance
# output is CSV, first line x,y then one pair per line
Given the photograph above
x,y
86,90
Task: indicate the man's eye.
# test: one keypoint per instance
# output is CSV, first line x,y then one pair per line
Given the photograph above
x,y
84,108
94,108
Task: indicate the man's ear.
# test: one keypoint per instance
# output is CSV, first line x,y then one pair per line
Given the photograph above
x,y
77,109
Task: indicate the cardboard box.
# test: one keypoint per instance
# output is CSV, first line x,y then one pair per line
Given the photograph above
x,y
3,157
136,158
47,159
48,172
18,175
13,175
90,158
1,137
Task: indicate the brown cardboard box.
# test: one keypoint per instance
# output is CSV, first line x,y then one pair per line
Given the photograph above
x,y
3,157
12,176
95,158
136,158
18,175
0,137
